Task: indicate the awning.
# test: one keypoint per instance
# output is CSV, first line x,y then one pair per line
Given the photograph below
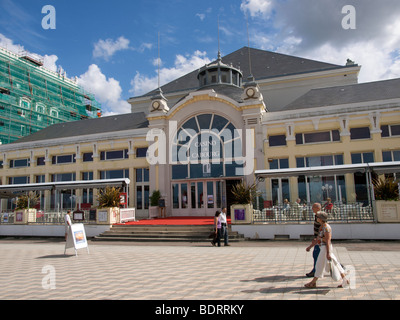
x,y
377,167
13,190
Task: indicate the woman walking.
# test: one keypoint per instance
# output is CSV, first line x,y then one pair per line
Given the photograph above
x,y
217,226
326,255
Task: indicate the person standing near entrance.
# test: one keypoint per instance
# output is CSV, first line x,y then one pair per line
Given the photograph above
x,y
67,219
315,208
217,226
224,226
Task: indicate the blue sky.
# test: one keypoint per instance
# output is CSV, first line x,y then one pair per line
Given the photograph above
x,y
111,47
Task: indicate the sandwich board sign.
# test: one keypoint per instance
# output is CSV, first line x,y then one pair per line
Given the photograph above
x,y
76,238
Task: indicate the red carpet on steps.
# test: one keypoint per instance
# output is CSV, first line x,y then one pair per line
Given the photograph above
x,y
175,221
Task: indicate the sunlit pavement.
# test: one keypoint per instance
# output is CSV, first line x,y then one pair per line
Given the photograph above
x,y
38,269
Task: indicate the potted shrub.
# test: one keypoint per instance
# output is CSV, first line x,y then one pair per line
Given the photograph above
x,y
25,208
108,210
154,199
387,204
242,209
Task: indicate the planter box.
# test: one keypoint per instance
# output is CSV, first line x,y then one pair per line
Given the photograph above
x,y
24,216
107,215
154,212
242,213
387,211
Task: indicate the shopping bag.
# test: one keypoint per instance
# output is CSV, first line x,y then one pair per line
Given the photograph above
x,y
334,270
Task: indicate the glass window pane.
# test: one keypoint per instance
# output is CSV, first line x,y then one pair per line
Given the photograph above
x,y
387,156
146,173
278,140
300,162
175,196
396,155
139,198
356,158
141,152
200,195
146,196
395,130
360,133
335,135
184,195
385,131
284,163
368,157
339,159
193,195
139,175
210,194
204,121
317,137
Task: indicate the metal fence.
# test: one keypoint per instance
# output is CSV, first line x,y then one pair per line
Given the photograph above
x,y
47,218
353,212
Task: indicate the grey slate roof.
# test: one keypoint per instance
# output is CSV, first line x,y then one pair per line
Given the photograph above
x,y
110,124
362,92
265,64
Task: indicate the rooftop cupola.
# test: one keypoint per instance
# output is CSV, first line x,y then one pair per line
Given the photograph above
x,y
218,72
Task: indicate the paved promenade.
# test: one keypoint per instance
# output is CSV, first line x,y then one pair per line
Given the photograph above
x,y
38,269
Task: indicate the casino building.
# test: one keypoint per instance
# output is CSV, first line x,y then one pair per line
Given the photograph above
x,y
251,115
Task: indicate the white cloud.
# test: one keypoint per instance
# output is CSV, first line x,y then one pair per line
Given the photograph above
x,y
107,91
201,16
313,29
257,7
107,48
183,64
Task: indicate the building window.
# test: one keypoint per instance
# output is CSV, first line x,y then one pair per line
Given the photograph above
x,y
360,133
278,163
40,161
319,161
54,112
87,193
206,145
63,159
142,175
87,157
114,155
58,177
141,152
278,140
390,131
114,174
365,157
389,156
40,108
40,178
318,137
25,104
20,163
18,180
142,188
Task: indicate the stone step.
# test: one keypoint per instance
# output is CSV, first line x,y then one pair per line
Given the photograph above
x,y
162,233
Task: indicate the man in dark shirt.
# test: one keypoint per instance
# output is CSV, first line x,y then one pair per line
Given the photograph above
x,y
315,208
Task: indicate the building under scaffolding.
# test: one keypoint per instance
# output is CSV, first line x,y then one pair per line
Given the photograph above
x,y
33,97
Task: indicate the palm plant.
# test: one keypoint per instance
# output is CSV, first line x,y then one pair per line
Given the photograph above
x,y
244,193
386,189
109,197
27,201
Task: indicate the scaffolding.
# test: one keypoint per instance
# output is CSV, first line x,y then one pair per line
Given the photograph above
x,y
33,97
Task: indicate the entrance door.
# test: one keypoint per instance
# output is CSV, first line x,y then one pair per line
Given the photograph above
x,y
197,198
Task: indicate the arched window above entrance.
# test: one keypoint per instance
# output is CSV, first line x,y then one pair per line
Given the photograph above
x,y
206,145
